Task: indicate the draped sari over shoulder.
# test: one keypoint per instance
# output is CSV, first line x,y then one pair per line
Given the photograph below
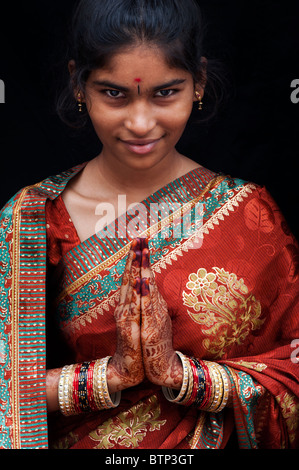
x,y
230,280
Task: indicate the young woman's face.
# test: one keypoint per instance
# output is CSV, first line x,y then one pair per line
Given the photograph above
x,y
139,106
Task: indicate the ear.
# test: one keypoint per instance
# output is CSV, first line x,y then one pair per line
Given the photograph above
x,y
72,67
72,70
201,84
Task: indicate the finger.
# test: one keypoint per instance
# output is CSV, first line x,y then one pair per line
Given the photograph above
x,y
143,243
149,286
132,268
125,284
153,306
139,244
135,304
146,271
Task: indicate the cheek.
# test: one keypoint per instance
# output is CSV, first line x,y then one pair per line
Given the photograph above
x,y
177,118
102,121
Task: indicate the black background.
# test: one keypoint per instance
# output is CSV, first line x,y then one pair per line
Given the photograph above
x,y
254,136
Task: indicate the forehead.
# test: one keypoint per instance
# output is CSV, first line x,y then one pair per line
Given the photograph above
x,y
140,64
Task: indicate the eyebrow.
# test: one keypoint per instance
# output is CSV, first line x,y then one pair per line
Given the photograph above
x,y
108,84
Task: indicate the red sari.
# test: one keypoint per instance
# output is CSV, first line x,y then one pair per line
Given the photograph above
x,y
231,286
233,300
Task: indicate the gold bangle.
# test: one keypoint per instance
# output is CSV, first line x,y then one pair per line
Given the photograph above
x,y
65,390
100,386
226,388
190,385
216,379
97,385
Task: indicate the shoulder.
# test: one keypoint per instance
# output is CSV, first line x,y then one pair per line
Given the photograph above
x,y
49,188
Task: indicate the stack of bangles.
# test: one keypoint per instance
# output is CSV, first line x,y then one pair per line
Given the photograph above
x,y
83,388
206,385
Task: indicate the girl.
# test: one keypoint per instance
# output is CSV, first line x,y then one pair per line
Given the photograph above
x,y
167,293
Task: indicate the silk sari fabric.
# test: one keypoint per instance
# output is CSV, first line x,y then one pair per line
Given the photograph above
x,y
231,285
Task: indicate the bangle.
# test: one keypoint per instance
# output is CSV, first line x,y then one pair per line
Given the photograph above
x,y
75,388
65,398
169,392
201,383
195,384
218,388
90,394
208,386
190,389
100,386
205,385
226,388
83,388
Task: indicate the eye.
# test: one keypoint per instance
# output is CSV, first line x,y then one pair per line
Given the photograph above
x,y
114,94
165,93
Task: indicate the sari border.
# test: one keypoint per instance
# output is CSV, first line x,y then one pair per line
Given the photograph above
x,y
29,428
198,429
206,227
15,323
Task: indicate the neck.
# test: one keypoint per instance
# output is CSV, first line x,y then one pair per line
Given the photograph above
x,y
133,180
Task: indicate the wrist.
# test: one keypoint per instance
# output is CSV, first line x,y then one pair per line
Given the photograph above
x,y
176,373
122,375
206,385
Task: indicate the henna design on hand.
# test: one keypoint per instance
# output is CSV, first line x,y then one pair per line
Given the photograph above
x,y
161,363
126,367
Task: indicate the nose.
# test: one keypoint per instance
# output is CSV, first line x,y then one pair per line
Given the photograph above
x,y
140,119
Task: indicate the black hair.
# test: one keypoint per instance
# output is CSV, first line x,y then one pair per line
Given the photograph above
x,y
101,28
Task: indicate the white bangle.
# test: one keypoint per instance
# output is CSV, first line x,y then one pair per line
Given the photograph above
x,y
169,392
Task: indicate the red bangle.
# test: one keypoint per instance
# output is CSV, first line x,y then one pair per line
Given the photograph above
x,y
195,384
75,388
90,395
208,385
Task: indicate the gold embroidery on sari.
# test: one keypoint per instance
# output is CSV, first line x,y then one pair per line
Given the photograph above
x,y
198,430
222,304
258,366
289,406
129,428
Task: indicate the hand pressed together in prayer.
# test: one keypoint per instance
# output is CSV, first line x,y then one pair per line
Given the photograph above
x,y
144,331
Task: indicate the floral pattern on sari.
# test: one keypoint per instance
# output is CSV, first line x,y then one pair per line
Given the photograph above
x,y
129,428
222,305
290,410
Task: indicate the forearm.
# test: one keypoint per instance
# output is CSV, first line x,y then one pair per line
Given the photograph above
x,y
52,381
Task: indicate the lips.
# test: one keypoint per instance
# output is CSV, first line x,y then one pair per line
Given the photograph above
x,y
141,147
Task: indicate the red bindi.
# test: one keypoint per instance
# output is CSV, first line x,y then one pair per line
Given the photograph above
x,y
138,80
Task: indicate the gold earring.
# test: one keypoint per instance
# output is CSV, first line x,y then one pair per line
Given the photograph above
x,y
198,96
79,99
